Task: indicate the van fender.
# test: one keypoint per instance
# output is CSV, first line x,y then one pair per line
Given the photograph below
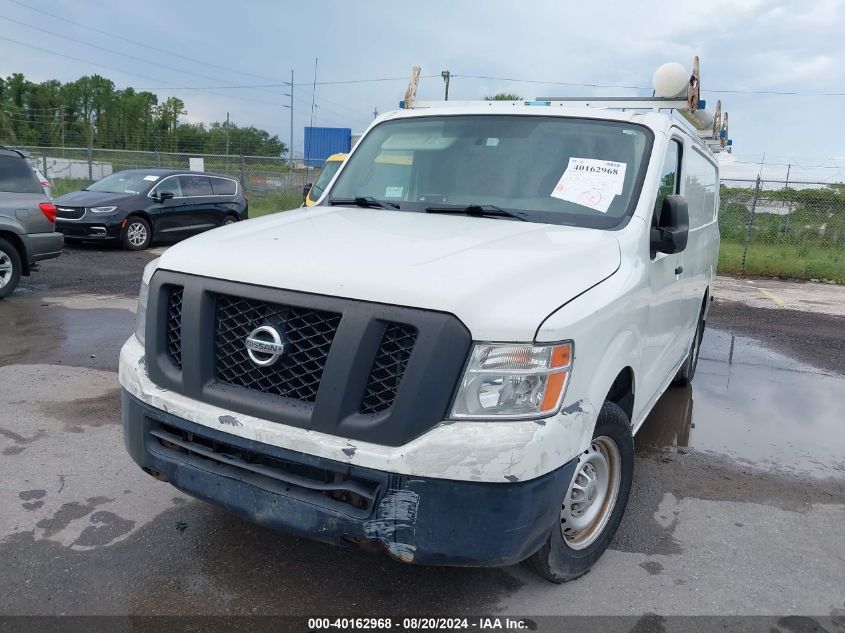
x,y
607,327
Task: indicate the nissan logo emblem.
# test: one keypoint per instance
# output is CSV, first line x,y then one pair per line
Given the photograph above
x,y
264,345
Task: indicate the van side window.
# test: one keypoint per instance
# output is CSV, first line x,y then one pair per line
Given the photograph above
x,y
223,186
700,189
669,177
168,185
195,186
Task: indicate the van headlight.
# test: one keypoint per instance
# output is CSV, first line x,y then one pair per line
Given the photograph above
x,y
513,381
143,296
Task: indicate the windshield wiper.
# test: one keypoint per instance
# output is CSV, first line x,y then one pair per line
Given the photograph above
x,y
368,202
479,210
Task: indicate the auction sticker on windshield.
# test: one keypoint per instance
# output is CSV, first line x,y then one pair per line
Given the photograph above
x,y
591,182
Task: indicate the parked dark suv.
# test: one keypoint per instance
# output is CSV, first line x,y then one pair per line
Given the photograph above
x,y
137,205
27,216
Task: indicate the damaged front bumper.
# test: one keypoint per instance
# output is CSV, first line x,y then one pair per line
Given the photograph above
x,y
414,519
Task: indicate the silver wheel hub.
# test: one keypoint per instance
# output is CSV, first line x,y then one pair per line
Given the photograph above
x,y
592,493
6,269
136,233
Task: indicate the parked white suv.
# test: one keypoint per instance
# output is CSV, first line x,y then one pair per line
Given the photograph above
x,y
448,357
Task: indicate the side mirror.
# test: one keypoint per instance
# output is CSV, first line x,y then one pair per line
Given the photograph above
x,y
672,230
306,189
164,196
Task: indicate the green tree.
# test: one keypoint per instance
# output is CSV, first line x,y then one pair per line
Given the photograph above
x,y
92,112
504,96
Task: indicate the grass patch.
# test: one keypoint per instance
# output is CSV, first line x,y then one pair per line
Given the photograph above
x,y
784,260
61,186
274,202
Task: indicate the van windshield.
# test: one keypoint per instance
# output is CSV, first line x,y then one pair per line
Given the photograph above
x,y
558,170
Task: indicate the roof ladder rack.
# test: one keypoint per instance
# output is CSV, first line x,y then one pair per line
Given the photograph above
x,y
711,128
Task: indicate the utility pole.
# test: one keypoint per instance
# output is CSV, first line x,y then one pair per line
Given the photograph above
x,y
446,76
789,211
62,127
227,140
375,112
290,148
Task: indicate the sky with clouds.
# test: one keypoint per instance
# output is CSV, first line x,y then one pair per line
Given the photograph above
x,y
744,45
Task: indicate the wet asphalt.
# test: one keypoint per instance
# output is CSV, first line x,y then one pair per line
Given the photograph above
x,y
738,504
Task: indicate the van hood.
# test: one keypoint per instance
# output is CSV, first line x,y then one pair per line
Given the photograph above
x,y
92,199
502,278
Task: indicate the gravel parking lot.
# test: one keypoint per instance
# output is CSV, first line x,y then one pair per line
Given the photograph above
x,y
737,508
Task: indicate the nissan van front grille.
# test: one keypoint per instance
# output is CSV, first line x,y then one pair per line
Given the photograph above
x,y
356,369
307,335
174,325
395,349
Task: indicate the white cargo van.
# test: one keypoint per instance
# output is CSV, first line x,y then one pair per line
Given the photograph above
x,y
448,357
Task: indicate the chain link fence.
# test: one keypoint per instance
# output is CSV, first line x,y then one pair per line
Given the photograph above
x,y
781,228
271,183
768,227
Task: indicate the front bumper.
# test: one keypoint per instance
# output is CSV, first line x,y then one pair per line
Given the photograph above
x,y
414,519
77,230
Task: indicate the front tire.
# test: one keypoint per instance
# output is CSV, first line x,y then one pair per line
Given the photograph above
x,y
594,503
10,268
136,234
229,219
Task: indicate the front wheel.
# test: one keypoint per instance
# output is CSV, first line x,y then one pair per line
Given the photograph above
x,y
230,219
10,268
594,503
136,234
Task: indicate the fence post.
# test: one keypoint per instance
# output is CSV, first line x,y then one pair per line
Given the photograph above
x,y
90,164
44,163
243,173
750,222
158,159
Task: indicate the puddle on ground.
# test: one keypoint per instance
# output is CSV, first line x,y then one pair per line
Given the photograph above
x,y
756,406
42,331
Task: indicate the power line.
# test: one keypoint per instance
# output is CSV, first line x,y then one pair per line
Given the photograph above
x,y
137,43
112,51
646,88
127,72
547,83
307,83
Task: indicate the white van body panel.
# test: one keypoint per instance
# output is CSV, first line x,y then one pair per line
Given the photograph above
x,y
507,281
492,274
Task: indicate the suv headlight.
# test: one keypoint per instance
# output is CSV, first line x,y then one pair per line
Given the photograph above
x,y
101,209
513,381
143,296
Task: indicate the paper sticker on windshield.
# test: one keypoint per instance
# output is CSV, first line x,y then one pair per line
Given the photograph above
x,y
393,192
591,182
153,178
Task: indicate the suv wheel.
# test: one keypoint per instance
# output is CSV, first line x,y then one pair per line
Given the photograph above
x,y
230,219
136,234
593,505
10,268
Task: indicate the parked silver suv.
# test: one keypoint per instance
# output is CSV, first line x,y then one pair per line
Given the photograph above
x,y
27,221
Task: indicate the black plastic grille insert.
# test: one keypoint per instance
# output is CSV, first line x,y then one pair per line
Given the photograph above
x,y
308,337
174,325
395,349
70,213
